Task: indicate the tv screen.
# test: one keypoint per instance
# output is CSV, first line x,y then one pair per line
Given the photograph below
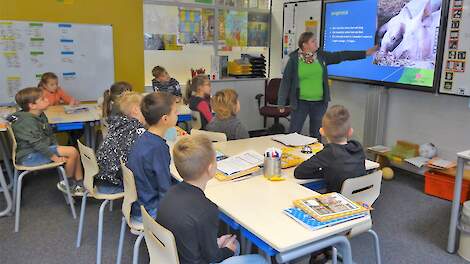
x,y
408,35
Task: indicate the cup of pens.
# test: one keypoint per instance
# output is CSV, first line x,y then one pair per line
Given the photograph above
x,y
272,163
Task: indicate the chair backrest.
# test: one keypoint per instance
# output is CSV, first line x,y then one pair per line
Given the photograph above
x,y
90,166
14,145
213,136
271,90
130,191
104,128
160,241
363,189
196,120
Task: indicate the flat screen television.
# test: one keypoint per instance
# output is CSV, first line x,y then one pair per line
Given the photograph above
x,y
409,33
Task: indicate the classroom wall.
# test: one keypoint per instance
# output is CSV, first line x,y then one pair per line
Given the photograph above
x,y
124,15
415,116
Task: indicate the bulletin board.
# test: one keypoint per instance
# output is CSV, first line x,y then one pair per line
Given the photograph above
x,y
299,17
81,55
455,78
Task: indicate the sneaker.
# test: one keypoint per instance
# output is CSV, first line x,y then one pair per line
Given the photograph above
x,y
74,190
78,190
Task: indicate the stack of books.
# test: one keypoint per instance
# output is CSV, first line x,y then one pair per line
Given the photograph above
x,y
325,210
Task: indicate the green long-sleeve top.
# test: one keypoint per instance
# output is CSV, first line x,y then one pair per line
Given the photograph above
x,y
33,134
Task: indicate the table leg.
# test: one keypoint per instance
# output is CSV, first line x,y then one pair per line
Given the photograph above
x,y
86,131
6,157
7,195
454,215
340,242
93,135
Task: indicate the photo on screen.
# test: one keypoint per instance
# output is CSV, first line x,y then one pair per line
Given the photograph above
x,y
407,33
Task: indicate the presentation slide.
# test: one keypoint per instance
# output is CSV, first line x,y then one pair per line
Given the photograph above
x,y
407,33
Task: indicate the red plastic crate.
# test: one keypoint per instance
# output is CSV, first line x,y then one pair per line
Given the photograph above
x,y
442,186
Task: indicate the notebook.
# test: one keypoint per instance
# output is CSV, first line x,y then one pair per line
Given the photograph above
x,y
294,139
329,206
442,164
241,162
313,224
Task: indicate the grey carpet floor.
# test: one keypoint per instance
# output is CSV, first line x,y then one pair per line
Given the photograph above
x,y
412,227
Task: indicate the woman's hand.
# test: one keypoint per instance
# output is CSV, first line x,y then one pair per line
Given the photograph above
x,y
372,50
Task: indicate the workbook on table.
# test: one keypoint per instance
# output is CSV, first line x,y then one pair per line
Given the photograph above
x,y
241,162
72,109
329,206
313,224
294,140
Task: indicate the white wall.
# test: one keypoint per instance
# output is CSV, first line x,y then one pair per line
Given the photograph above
x,y
414,116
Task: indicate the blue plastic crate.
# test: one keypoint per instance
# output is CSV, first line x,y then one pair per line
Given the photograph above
x,y
69,126
258,242
229,221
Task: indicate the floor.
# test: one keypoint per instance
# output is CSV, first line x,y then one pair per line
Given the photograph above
x,y
412,227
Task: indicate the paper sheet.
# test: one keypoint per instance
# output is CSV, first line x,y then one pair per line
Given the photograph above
x,y
294,139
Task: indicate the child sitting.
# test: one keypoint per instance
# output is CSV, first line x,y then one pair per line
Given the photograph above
x,y
36,144
123,129
198,92
164,83
55,95
226,107
190,216
110,97
149,158
341,158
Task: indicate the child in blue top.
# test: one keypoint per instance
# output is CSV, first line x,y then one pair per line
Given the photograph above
x,y
149,158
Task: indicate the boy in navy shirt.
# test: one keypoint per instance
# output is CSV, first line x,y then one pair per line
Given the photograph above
x,y
149,159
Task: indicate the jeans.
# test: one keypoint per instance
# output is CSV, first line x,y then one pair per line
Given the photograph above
x,y
110,189
37,158
315,110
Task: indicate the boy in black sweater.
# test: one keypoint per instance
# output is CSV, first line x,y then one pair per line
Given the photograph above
x,y
341,158
190,216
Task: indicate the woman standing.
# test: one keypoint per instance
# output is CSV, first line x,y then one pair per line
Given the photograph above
x,y
305,82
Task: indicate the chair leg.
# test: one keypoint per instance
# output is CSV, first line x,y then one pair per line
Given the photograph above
x,y
67,188
135,257
334,257
99,244
376,245
111,205
121,240
18,199
265,122
15,184
82,219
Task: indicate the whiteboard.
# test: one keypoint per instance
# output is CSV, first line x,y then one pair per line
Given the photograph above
x,y
455,77
299,17
80,55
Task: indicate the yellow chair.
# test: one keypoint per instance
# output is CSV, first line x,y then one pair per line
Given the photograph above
x,y
136,228
213,136
21,171
160,241
90,166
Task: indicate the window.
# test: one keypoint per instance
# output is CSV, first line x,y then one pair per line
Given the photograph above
x,y
181,35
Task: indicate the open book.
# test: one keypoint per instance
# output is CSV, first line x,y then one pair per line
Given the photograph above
x,y
241,162
329,206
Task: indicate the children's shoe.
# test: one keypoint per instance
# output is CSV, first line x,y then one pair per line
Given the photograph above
x,y
75,190
78,190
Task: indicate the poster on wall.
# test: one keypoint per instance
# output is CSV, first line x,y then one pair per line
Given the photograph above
x,y
189,29
236,28
455,73
258,29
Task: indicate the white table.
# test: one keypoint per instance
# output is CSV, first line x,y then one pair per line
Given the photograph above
x,y
260,144
86,120
462,158
257,204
